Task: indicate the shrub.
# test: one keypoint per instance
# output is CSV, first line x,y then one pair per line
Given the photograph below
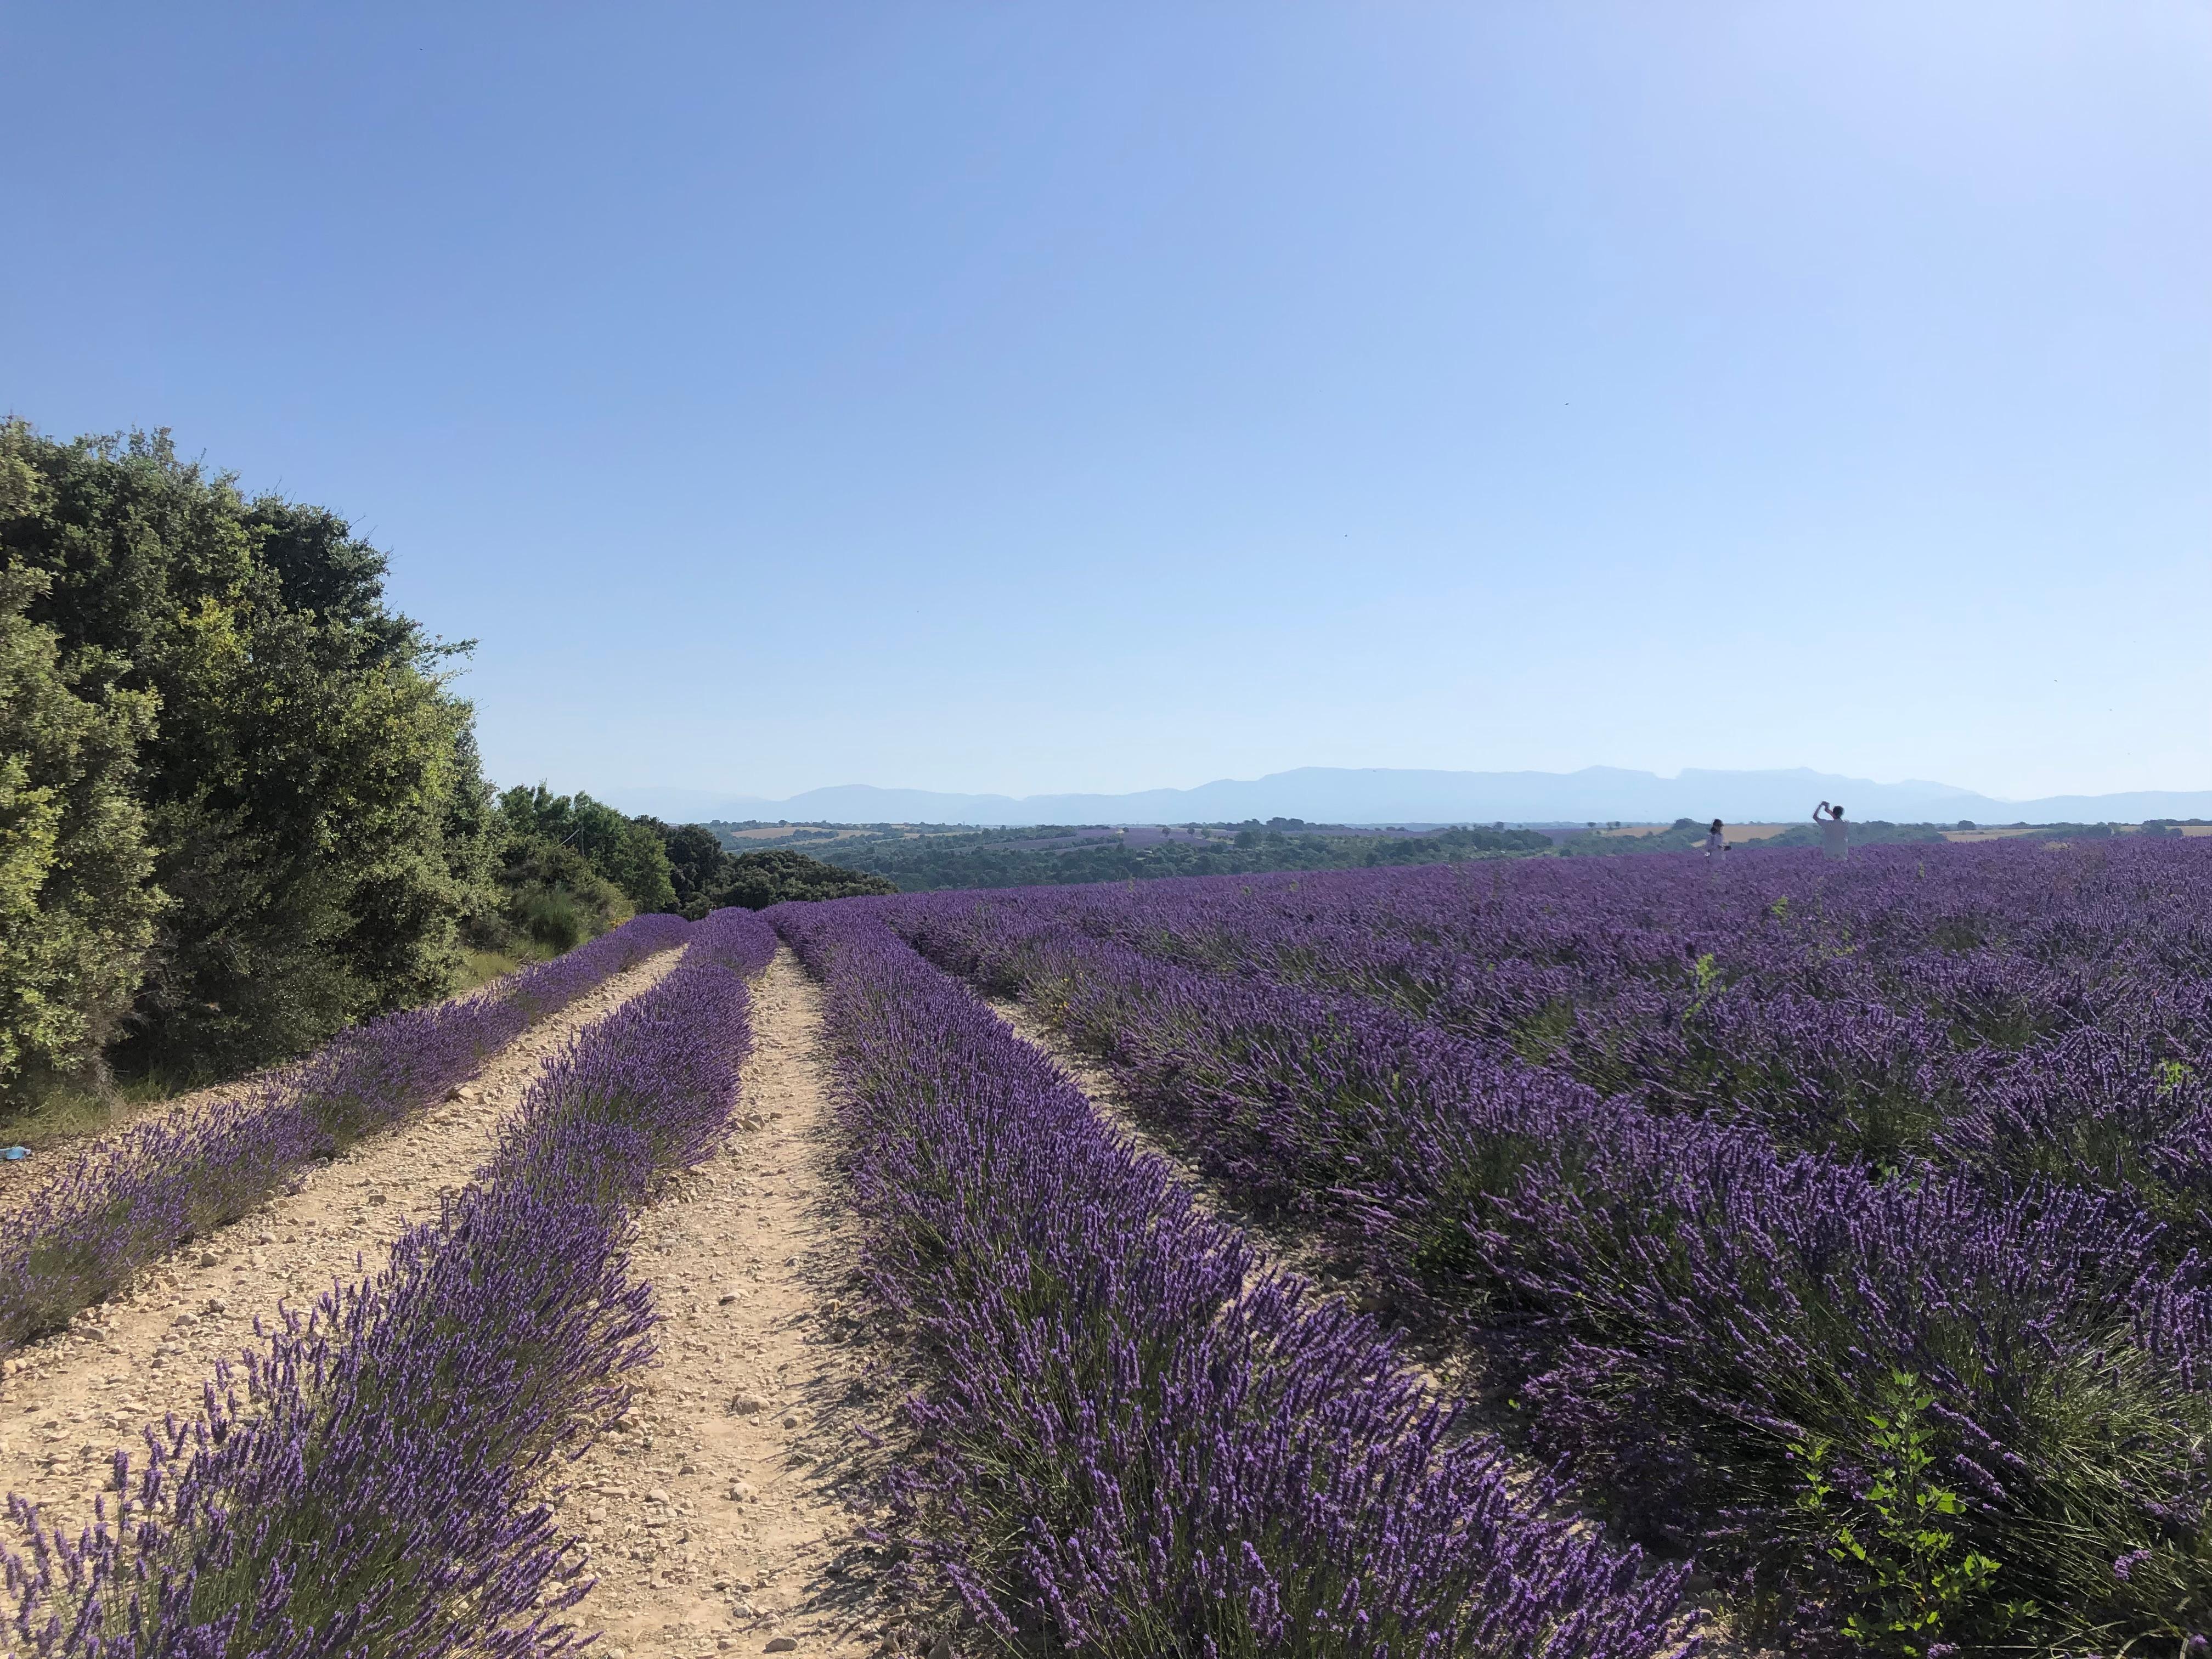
x,y
308,786
551,898
626,852
77,912
760,880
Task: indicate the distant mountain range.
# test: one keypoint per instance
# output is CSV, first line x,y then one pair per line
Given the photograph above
x,y
1379,795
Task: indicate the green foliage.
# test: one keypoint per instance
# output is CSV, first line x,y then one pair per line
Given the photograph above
x,y
551,898
707,876
1895,1542
76,909
1705,980
699,866
998,858
567,868
760,880
310,787
628,852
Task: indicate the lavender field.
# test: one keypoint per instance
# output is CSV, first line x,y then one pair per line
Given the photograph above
x,y
130,1199
1791,1256
1841,1228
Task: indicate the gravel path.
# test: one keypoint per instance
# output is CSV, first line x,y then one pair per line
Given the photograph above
x,y
22,1180
68,1402
725,1518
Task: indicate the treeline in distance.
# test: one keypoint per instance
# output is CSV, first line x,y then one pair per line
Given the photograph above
x,y
993,858
241,802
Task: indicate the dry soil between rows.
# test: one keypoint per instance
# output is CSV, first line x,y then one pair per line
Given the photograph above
x,y
69,1401
726,1516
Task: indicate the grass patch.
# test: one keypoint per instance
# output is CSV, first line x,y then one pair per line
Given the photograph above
x,y
480,968
72,1111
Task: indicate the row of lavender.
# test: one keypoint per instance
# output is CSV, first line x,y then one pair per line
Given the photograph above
x,y
1716,1328
1138,1443
2001,1003
373,1480
132,1199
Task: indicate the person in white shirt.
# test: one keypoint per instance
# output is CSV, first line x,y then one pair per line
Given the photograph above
x,y
1716,842
1835,834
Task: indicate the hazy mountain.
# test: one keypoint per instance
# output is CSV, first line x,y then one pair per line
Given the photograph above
x,y
1384,795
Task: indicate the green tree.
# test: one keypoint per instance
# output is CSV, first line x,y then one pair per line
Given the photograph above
x,y
76,910
311,787
760,880
552,896
628,852
699,865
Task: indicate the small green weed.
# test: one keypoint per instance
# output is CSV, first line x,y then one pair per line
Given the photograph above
x,y
1895,1542
1707,981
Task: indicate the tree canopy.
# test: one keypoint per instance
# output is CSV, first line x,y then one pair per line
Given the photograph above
x,y
709,877
314,828
628,852
240,804
77,908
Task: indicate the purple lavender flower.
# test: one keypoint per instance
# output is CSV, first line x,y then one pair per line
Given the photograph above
x,y
1139,1444
1696,1165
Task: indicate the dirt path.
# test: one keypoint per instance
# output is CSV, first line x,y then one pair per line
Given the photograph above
x,y
725,1518
52,1153
66,1403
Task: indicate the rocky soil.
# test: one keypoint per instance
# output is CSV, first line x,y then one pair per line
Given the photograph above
x,y
726,1516
67,1403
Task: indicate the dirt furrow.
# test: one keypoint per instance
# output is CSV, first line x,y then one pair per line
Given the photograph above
x,y
725,1515
68,1402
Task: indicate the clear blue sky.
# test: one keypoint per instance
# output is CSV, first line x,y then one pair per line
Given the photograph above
x,y
1095,397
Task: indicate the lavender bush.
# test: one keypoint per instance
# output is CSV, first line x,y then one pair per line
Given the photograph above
x,y
1679,1297
1141,1444
373,1480
131,1199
